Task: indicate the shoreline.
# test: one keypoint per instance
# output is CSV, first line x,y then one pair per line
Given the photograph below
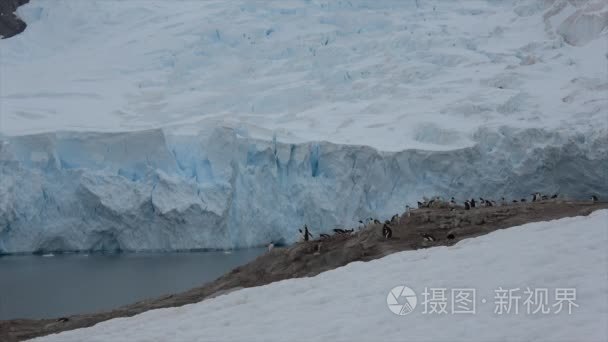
x,y
304,260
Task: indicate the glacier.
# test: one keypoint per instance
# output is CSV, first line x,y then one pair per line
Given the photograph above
x,y
348,72
163,125
218,189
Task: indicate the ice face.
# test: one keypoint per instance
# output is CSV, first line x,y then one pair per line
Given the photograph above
x,y
153,190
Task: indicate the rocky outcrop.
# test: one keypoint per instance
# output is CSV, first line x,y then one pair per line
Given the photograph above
x,y
10,23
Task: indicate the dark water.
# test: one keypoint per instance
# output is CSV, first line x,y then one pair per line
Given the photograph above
x,y
41,287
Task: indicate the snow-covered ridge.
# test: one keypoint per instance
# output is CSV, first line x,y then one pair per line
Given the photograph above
x,y
217,189
427,73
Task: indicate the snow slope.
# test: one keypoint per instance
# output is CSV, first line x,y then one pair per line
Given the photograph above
x,y
427,73
231,123
349,303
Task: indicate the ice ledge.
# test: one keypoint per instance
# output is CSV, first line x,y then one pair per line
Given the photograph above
x,y
152,190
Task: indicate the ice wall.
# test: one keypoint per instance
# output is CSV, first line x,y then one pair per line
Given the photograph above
x,y
154,190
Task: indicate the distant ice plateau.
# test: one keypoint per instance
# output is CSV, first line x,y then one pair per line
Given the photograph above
x,y
169,125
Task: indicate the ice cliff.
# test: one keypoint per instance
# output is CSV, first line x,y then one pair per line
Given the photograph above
x,y
154,190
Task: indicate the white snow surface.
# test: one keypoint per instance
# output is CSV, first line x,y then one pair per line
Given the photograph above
x,y
427,74
349,303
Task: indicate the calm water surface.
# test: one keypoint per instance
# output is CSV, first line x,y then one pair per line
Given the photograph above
x,y
34,286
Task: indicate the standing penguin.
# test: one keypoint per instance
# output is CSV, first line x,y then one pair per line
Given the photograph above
x,y
467,205
407,210
307,234
387,232
452,203
270,246
594,198
472,203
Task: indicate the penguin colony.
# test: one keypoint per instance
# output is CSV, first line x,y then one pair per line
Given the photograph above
x,y
437,201
485,202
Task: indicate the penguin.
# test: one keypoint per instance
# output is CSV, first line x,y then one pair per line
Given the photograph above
x,y
489,203
452,203
376,221
307,234
62,319
420,205
472,203
394,218
387,232
554,196
536,197
523,200
343,231
451,237
324,236
270,246
407,210
428,237
515,201
503,201
594,198
467,205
